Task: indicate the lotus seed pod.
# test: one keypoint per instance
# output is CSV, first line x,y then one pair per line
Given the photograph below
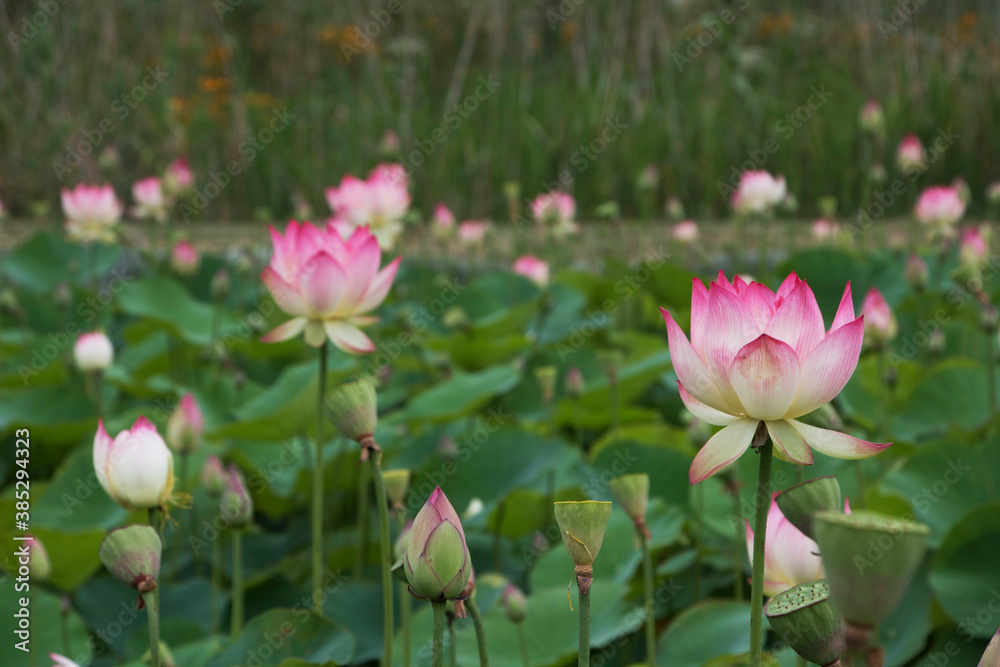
x,y
582,525
353,409
546,377
869,560
397,483
132,555
806,619
632,493
800,503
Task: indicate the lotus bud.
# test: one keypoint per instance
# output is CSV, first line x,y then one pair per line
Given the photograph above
x,y
93,352
399,546
878,174
800,503
574,382
136,468
674,209
437,561
213,476
185,426
546,377
872,119
917,272
185,259
397,483
991,658
805,619
236,504
880,322
39,565
869,560
582,525
353,409
611,362
132,555
221,284
936,342
632,493
514,603
62,661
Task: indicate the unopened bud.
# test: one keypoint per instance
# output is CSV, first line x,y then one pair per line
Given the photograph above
x,y
236,504
546,377
353,409
514,603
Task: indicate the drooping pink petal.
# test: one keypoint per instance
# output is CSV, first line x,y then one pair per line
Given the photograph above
x,y
765,376
826,369
285,295
798,320
845,312
704,412
323,282
289,329
788,443
692,371
835,444
722,449
348,337
731,326
379,287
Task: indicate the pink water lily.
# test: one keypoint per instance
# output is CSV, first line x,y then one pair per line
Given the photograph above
x,y
92,213
759,356
327,283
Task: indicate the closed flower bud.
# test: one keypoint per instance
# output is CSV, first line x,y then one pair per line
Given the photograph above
x,y
399,546
213,476
185,426
806,619
632,493
221,284
872,118
38,560
475,507
185,259
869,560
574,382
880,321
437,561
132,555
236,504
674,209
801,502
514,603
878,174
917,272
93,352
546,377
135,468
397,483
447,448
62,661
353,409
582,525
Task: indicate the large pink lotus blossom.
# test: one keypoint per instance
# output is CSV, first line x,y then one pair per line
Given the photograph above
x,y
758,192
790,558
759,356
910,155
92,213
178,178
150,201
532,268
380,202
940,208
556,209
327,283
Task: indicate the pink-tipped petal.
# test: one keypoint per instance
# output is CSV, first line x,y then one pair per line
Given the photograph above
x,y
361,266
102,452
348,338
691,370
826,369
699,313
323,282
722,449
789,444
798,320
787,285
835,444
289,329
760,300
705,413
845,312
285,296
730,326
379,288
765,376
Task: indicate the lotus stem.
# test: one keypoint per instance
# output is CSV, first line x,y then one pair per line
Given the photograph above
x,y
991,373
175,548
152,602
405,612
452,644
438,636
237,602
362,523
525,657
584,650
613,390
647,582
497,525
477,621
317,498
699,494
386,553
763,498
214,601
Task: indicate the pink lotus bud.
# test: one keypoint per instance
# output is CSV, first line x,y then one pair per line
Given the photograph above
x,y
473,232
178,178
136,468
674,208
92,213
236,504
213,476
442,222
972,249
910,155
649,177
437,561
872,118
62,661
515,604
533,269
686,232
556,210
574,382
150,202
39,564
917,272
939,208
93,352
880,321
185,426
185,259
824,230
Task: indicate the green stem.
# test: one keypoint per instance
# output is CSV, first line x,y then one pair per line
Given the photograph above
x,y
577,427
99,393
64,618
175,548
317,498
477,621
386,556
497,526
237,603
405,612
438,636
452,644
584,651
647,581
699,495
152,601
359,554
991,373
214,601
883,395
525,657
763,499
738,551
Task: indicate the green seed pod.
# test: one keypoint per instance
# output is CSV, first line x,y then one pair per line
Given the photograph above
x,y
582,525
806,619
132,555
546,377
632,493
397,483
800,502
869,560
353,409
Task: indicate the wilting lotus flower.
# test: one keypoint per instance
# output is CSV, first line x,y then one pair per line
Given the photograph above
x,y
972,249
185,426
442,222
136,468
92,213
327,284
556,210
184,259
910,155
940,208
473,232
379,202
533,269
686,232
872,118
824,230
178,177
150,202
759,356
437,561
93,351
880,321
62,661
758,192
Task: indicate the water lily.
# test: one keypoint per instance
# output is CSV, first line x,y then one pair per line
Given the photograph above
x,y
135,468
759,356
93,351
92,213
327,284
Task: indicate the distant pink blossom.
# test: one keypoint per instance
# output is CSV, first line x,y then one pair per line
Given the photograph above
x,y
178,177
185,259
556,210
150,201
380,202
880,321
939,208
686,231
910,154
533,269
758,192
473,232
92,213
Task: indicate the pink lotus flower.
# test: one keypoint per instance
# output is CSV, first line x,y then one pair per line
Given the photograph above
x,y
389,143
790,558
379,202
185,426
759,356
872,118
327,284
178,177
972,249
442,222
136,468
758,193
149,199
880,321
940,208
686,232
92,213
556,210
93,351
473,232
824,230
533,269
62,661
910,155
185,259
